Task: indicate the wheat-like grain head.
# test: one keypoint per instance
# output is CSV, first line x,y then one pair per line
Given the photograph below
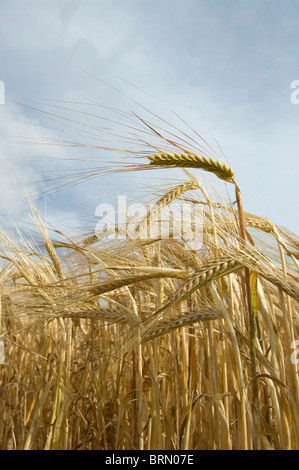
x,y
189,160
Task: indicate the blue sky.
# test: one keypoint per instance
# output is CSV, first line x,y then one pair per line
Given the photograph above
x,y
227,63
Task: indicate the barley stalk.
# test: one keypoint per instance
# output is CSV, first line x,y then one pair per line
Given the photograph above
x,y
189,160
177,321
207,273
164,201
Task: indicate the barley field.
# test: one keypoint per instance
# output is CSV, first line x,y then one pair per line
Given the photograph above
x,y
148,342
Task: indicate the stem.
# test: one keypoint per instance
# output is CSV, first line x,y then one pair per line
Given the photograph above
x,y
176,398
256,411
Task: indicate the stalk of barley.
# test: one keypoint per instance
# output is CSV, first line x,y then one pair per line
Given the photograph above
x,y
177,321
189,160
126,281
164,201
98,313
207,273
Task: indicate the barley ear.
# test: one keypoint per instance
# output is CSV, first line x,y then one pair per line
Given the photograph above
x,y
189,160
